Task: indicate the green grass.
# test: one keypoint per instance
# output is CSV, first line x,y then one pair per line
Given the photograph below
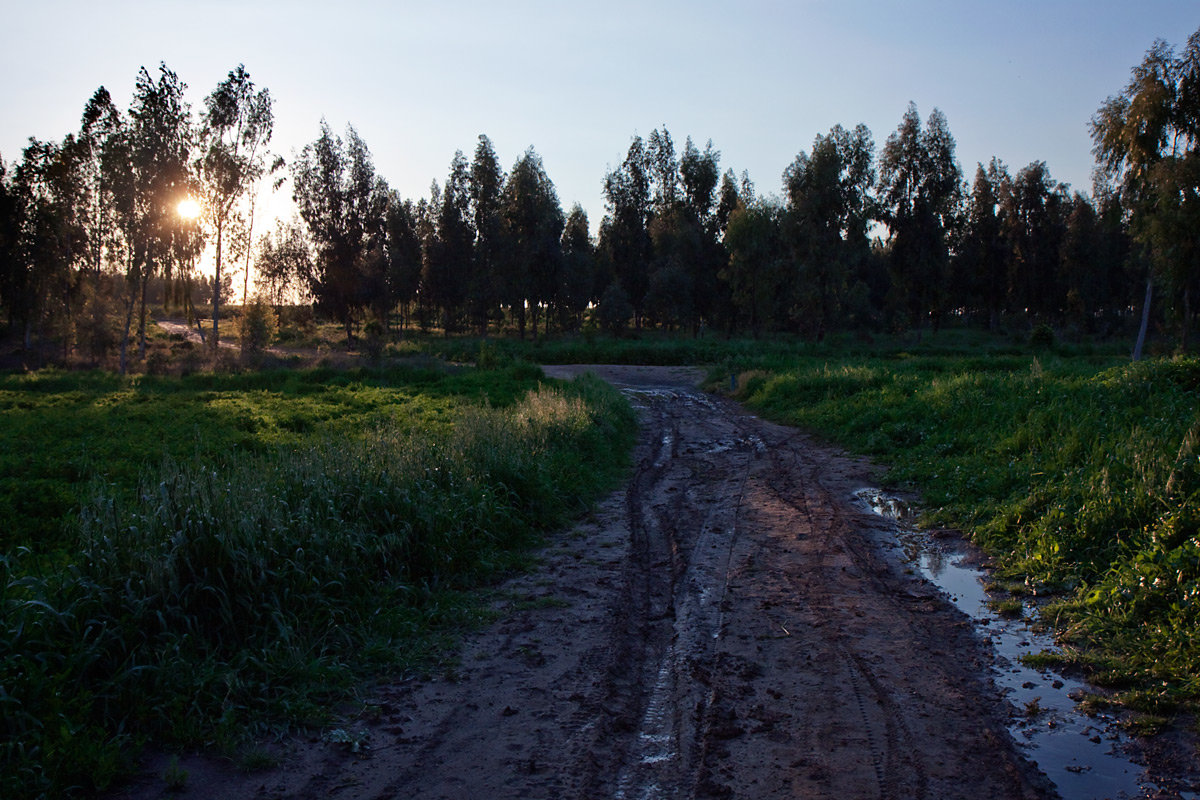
x,y
301,532
60,432
1081,474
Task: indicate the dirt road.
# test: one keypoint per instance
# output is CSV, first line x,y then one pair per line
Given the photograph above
x,y
723,627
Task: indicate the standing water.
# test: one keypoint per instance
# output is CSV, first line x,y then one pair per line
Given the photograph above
x,y
1082,755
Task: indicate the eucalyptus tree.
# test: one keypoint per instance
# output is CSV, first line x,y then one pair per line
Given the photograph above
x,y
150,184
235,130
403,254
487,182
664,168
980,260
728,200
533,224
920,188
625,237
284,261
101,120
451,247
1081,265
1034,220
9,232
1147,139
50,237
343,204
756,269
577,284
672,294
699,174
829,209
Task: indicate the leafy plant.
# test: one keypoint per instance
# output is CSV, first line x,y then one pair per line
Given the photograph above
x,y
257,326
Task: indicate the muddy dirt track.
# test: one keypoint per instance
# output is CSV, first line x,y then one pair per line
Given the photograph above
x,y
722,627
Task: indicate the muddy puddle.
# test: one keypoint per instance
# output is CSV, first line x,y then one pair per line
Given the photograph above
x,y
1083,755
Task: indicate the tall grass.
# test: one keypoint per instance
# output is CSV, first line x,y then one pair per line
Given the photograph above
x,y
1081,477
223,597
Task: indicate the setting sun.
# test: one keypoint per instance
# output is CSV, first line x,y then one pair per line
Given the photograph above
x,y
188,208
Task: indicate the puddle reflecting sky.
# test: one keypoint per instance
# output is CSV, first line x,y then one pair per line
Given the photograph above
x,y
1082,754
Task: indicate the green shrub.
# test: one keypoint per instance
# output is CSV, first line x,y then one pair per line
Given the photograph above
x,y
1042,337
257,326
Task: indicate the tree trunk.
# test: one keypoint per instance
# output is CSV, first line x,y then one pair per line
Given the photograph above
x,y
249,247
1141,337
125,333
144,280
192,316
216,335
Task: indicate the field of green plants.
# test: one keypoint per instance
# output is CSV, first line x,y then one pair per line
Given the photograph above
x,y
200,559
1080,475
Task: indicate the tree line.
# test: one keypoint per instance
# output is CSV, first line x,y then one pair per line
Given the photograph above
x,y
861,238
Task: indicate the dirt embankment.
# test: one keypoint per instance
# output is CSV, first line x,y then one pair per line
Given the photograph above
x,y
722,627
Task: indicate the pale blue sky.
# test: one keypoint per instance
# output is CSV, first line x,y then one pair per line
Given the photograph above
x,y
1017,79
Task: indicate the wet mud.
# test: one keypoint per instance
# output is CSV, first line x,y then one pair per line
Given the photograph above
x,y
727,625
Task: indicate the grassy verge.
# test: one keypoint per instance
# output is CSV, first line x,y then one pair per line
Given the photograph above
x,y
253,545
1081,475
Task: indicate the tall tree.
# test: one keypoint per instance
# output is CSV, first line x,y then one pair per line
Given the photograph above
x,y
577,285
678,247
236,128
625,237
664,168
920,188
728,200
451,249
284,262
1081,263
755,271
980,263
828,212
342,202
1034,221
487,181
699,173
10,223
101,120
51,238
151,184
533,222
404,254
1147,139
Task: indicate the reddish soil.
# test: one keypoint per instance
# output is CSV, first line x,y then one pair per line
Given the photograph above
x,y
724,626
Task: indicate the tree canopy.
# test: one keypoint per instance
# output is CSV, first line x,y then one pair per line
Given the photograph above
x,y
858,237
